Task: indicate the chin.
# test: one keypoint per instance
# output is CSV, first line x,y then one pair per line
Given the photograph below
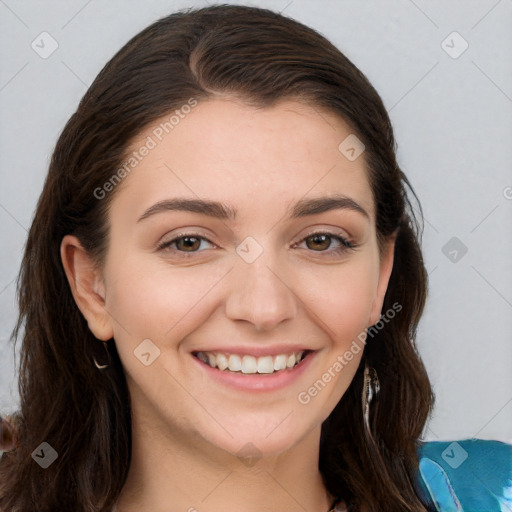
x,y
263,438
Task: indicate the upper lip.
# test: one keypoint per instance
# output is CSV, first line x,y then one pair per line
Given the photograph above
x,y
258,351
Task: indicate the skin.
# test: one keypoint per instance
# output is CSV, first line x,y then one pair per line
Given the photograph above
x,y
187,428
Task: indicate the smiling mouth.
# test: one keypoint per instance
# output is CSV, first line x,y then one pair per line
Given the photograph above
x,y
245,364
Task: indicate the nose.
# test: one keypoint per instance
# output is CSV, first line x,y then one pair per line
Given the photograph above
x,y
260,293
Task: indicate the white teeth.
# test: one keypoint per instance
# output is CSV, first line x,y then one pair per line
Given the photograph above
x,y
250,364
222,361
235,363
212,360
280,363
265,364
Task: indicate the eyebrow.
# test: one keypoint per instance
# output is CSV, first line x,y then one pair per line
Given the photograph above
x,y
219,210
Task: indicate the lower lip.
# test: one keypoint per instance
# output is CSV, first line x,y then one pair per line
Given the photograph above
x,y
258,381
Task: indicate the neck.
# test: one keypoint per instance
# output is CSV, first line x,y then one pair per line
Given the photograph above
x,y
172,472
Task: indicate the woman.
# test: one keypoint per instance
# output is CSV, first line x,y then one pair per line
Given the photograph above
x,y
221,286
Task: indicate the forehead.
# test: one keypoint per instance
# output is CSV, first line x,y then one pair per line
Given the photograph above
x,y
227,150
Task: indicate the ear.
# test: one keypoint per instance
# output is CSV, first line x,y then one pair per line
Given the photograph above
x,y
385,268
87,287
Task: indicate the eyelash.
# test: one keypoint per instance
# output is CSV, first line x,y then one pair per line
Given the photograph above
x,y
345,245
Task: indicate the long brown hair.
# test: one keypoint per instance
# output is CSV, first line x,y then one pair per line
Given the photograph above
x,y
84,414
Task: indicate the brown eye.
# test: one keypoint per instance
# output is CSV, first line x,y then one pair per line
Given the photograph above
x,y
190,243
184,244
320,242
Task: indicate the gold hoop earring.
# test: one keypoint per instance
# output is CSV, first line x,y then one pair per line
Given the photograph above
x,y
109,360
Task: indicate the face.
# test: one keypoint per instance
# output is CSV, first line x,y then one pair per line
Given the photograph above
x,y
201,296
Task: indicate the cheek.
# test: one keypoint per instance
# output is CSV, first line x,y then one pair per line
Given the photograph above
x,y
158,302
340,296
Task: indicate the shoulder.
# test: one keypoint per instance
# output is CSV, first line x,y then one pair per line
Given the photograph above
x,y
470,475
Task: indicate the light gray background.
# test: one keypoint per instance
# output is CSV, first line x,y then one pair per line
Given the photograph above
x,y
453,124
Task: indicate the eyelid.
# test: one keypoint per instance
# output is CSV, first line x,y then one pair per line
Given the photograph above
x,y
328,231
346,242
192,234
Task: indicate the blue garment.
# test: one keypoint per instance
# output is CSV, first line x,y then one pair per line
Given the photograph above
x,y
471,475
